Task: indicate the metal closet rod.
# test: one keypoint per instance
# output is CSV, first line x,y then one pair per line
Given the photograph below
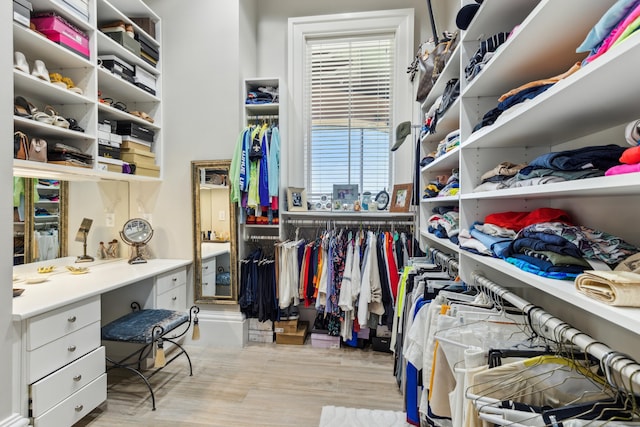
x,y
443,259
556,329
318,222
258,237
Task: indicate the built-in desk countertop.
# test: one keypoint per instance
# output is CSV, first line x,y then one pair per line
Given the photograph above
x,y
62,287
210,249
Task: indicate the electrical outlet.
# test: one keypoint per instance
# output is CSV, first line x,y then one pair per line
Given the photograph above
x,y
221,215
110,220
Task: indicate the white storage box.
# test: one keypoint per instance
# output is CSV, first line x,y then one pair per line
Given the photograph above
x,y
255,325
260,336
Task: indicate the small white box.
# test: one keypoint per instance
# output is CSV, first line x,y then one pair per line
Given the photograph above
x,y
115,138
145,77
104,127
104,135
260,336
255,325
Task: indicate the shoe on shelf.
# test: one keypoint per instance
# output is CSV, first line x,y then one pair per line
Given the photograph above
x,y
284,314
143,116
23,108
20,62
61,122
56,79
294,313
73,125
40,71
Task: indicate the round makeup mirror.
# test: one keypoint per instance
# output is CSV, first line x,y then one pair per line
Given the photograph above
x,y
137,232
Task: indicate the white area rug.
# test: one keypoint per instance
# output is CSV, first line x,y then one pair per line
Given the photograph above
x,y
338,416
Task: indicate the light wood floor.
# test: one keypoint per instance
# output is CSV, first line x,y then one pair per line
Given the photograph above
x,y
259,385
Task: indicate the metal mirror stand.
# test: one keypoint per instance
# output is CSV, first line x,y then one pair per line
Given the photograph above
x,y
214,233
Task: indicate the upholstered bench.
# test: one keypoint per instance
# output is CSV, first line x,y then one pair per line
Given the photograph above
x,y
148,327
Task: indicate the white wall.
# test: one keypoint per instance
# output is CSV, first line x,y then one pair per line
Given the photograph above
x,y
272,62
200,87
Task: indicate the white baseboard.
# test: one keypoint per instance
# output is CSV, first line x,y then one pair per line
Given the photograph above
x,y
14,420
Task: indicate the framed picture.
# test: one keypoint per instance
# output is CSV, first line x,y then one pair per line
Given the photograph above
x,y
296,199
401,198
344,195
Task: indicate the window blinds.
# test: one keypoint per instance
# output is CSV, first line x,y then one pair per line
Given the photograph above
x,y
348,99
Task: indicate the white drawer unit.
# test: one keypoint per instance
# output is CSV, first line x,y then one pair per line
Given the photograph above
x,y
209,277
54,388
76,406
174,299
54,324
171,280
54,355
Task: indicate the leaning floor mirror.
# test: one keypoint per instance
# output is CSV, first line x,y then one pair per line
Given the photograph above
x,y
214,233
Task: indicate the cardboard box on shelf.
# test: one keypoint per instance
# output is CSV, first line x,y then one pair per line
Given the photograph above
x,y
152,171
286,326
296,338
126,41
128,143
140,158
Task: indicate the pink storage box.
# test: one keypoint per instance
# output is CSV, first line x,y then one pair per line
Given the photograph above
x,y
60,31
67,42
324,341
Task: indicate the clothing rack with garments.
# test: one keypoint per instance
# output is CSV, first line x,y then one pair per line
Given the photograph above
x,y
476,352
347,270
551,326
545,324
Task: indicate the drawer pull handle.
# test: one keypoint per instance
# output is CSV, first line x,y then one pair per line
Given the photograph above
x,y
79,408
174,298
71,348
77,377
175,279
206,267
205,283
72,319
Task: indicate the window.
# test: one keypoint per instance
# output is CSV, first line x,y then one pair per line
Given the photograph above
x,y
347,112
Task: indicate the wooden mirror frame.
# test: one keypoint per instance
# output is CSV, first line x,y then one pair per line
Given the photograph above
x,y
29,221
199,297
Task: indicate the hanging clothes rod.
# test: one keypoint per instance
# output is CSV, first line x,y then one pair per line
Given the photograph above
x,y
551,327
554,328
332,222
263,237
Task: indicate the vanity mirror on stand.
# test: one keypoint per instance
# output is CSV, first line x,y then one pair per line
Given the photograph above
x,y
214,233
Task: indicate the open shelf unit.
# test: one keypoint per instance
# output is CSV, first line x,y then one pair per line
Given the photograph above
x,y
588,108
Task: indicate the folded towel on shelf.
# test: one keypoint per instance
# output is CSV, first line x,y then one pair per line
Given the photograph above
x,y
618,288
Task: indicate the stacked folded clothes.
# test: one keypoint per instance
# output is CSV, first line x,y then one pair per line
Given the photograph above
x,y
629,162
616,25
545,242
558,166
521,94
452,186
445,223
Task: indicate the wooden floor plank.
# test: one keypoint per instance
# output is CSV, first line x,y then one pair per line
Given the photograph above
x,y
258,385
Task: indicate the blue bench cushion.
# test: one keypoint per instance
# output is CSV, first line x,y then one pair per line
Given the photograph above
x,y
223,278
137,326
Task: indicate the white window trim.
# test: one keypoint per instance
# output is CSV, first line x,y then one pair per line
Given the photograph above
x,y
398,21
